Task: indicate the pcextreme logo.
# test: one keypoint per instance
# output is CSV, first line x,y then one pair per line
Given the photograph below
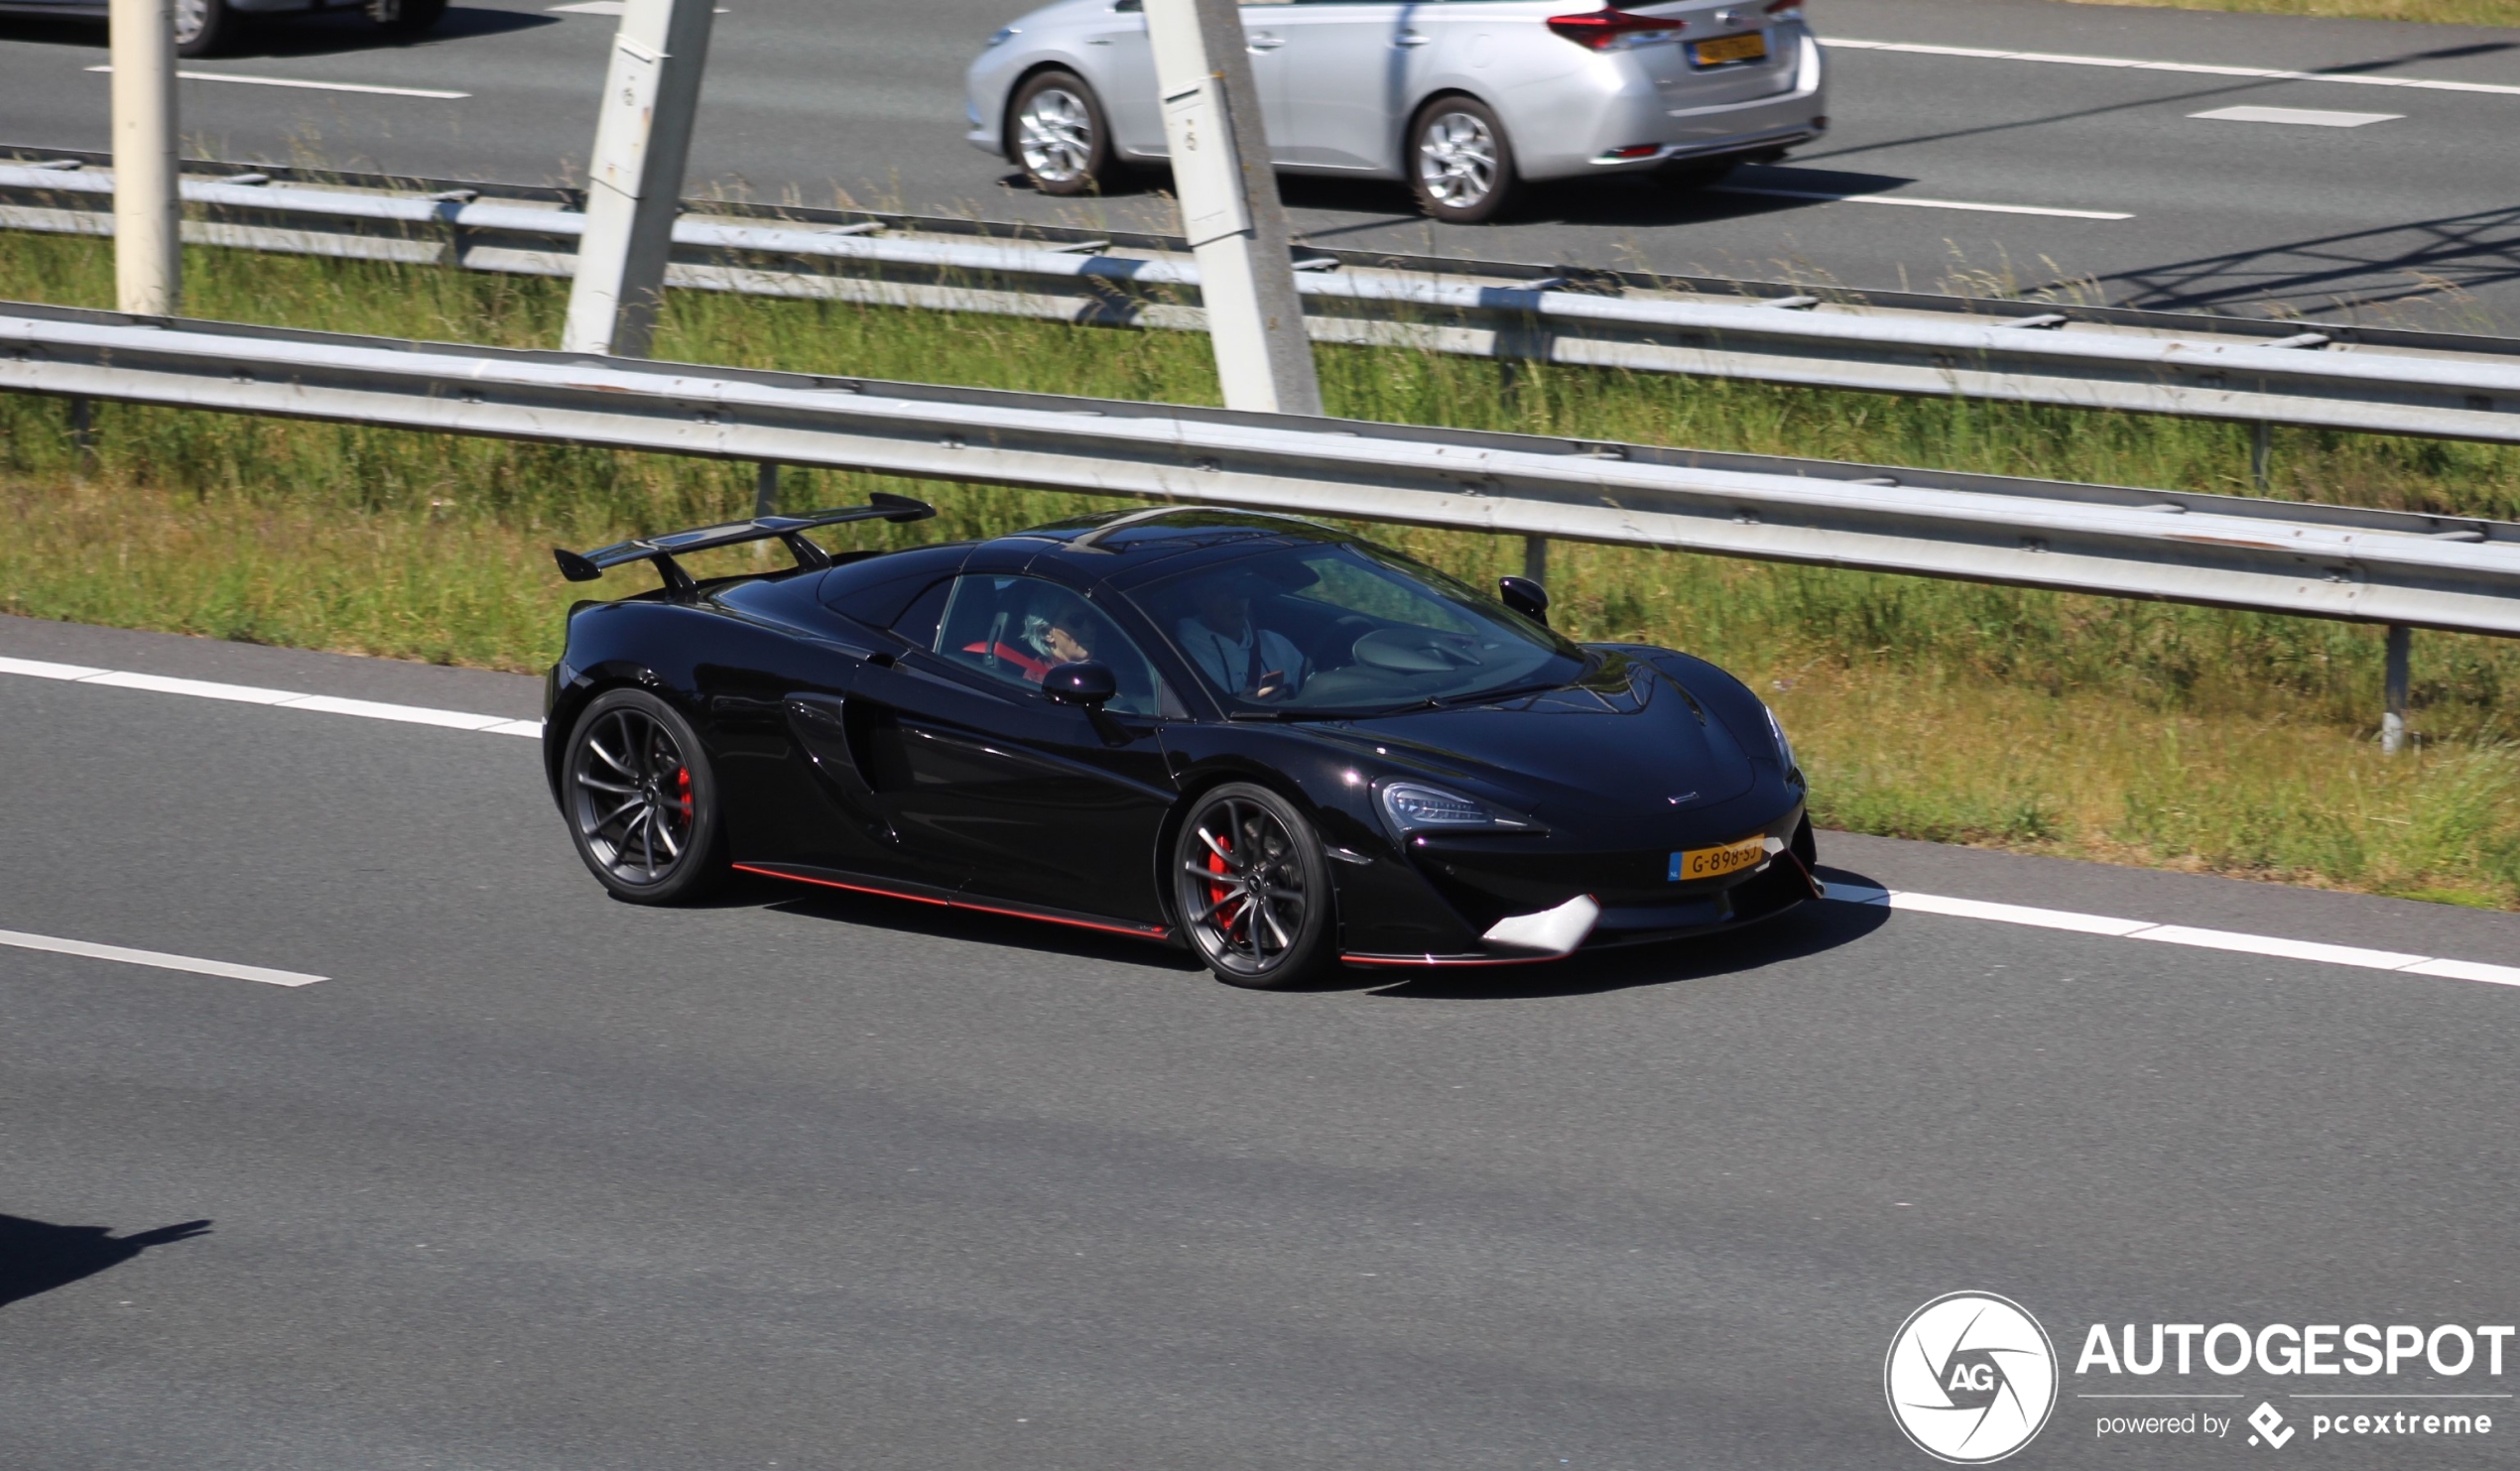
x,y
1970,1377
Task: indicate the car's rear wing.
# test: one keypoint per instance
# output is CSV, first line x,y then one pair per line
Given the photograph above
x,y
586,566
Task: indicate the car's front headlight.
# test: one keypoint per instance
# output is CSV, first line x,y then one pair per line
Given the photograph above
x,y
1784,747
1004,34
1414,807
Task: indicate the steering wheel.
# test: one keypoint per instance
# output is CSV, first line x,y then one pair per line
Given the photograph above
x,y
1417,650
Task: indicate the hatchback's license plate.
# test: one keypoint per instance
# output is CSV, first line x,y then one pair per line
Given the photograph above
x,y
1750,47
1715,863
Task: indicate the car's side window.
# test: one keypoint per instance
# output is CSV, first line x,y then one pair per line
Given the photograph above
x,y
1016,629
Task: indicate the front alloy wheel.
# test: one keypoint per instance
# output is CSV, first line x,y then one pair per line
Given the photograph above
x,y
202,26
1464,168
1251,888
1059,137
641,801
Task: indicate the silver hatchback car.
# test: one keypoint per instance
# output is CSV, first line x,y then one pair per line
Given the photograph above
x,y
1464,100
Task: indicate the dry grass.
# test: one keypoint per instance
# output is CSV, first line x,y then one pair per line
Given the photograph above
x,y
2127,731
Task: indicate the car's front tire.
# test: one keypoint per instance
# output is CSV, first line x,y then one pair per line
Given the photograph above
x,y
1460,162
406,16
642,799
1252,888
204,28
1058,135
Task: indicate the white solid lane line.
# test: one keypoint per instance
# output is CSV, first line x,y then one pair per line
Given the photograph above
x,y
314,86
2195,68
1913,202
282,700
2300,117
157,958
1924,904
2179,934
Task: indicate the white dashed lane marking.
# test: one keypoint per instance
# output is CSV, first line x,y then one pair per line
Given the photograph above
x,y
1914,202
2299,117
300,83
2193,69
159,959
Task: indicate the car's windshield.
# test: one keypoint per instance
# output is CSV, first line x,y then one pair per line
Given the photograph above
x,y
1337,628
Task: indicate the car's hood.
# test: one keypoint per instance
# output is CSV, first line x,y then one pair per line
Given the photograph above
x,y
1625,738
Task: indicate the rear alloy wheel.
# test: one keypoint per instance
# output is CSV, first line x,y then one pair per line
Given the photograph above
x,y
642,802
1461,165
1059,135
204,28
406,16
1252,888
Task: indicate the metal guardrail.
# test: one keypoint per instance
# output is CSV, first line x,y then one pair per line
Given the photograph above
x,y
2325,561
2427,384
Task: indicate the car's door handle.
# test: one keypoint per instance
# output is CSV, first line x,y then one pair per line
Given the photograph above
x,y
1267,42
1099,40
1410,38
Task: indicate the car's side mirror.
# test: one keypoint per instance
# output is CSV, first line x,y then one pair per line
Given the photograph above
x,y
1085,682
1524,596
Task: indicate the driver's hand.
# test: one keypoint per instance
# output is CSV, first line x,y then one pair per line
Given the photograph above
x,y
1271,685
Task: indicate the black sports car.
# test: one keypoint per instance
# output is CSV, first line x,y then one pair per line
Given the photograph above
x,y
1274,742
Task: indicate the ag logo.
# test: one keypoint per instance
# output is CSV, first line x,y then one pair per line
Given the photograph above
x,y
1971,1377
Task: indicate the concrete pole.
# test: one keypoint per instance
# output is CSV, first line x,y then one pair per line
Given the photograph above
x,y
2393,719
148,212
1230,212
643,136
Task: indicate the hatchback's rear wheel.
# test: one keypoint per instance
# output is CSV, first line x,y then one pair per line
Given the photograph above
x,y
203,28
1059,135
1251,888
642,800
1460,164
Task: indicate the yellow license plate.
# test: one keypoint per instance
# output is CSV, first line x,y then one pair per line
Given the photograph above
x,y
1750,47
1715,863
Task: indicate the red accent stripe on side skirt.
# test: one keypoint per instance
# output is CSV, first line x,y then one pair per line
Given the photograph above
x,y
1134,931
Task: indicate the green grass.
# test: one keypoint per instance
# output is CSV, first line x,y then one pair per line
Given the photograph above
x,y
2129,731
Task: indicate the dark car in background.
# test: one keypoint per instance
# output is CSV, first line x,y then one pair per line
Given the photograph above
x,y
204,28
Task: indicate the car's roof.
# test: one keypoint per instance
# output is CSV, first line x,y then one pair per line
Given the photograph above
x,y
1127,549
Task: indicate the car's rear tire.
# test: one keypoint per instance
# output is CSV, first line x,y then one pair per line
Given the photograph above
x,y
204,28
1252,888
1056,134
1460,162
406,16
642,800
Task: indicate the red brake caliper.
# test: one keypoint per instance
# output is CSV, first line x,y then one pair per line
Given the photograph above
x,y
683,792
1216,893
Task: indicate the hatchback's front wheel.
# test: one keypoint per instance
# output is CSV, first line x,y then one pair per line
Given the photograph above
x,y
1460,164
204,28
1252,888
1059,137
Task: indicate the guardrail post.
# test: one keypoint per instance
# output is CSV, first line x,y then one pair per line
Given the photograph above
x,y
2262,449
1229,206
2393,720
765,489
1536,559
82,434
634,180
147,211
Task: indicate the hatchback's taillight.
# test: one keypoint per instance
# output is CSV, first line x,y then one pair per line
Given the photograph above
x,y
1615,30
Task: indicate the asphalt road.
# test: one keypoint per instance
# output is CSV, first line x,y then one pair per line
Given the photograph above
x,y
541,1180
2415,219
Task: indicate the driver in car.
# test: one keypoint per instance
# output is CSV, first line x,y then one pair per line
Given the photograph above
x,y
1233,651
1055,631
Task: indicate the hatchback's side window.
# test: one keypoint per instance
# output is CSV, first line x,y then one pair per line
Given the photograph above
x,y
1018,628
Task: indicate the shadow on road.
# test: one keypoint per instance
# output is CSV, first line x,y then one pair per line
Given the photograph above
x,y
1808,930
37,1257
